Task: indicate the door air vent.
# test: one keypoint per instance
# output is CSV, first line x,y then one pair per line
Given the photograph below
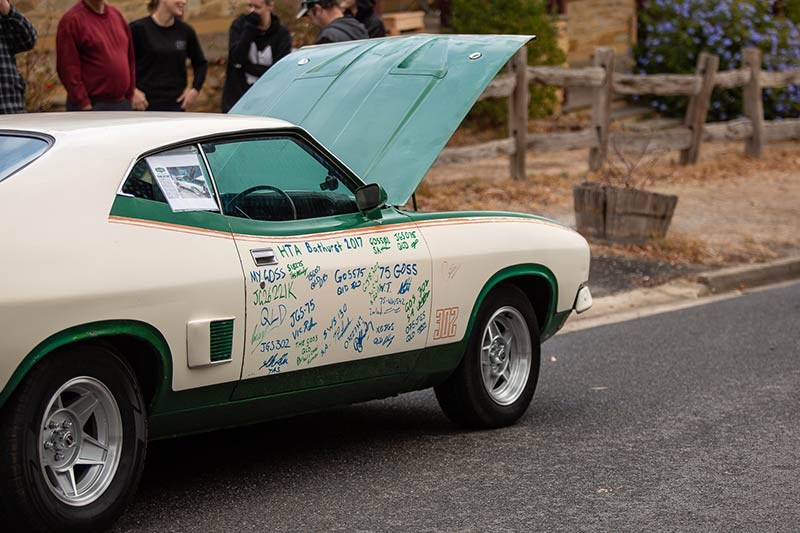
x,y
221,340
209,341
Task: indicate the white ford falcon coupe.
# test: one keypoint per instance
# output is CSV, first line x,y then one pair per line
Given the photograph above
x,y
164,274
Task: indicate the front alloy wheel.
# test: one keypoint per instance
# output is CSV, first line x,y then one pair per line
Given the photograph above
x,y
506,355
495,382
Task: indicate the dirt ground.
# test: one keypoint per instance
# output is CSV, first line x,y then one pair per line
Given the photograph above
x,y
731,209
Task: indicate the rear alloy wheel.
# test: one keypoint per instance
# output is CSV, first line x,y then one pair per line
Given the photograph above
x,y
81,441
495,382
76,437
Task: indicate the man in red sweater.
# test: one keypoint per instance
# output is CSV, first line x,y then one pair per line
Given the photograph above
x,y
94,57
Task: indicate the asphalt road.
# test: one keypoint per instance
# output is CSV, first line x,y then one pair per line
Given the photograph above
x,y
685,421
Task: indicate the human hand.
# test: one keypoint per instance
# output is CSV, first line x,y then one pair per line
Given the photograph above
x,y
187,98
139,99
5,7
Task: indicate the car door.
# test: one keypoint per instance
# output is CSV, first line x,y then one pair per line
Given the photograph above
x,y
175,248
325,285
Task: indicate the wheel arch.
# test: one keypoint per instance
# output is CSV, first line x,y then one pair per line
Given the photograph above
x,y
537,282
140,344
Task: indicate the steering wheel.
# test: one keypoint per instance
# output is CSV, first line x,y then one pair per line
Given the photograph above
x,y
233,201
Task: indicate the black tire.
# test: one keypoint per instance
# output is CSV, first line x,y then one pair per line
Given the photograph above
x,y
28,500
463,396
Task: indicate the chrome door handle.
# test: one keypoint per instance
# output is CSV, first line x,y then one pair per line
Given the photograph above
x,y
264,257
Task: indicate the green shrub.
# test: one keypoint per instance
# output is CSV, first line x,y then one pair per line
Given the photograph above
x,y
791,9
511,17
673,33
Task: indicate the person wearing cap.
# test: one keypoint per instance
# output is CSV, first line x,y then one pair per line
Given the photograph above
x,y
328,15
256,41
364,12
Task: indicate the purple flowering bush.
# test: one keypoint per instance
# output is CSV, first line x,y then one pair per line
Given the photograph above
x,y
673,33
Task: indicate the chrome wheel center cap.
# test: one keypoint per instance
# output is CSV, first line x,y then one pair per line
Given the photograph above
x,y
498,355
61,446
68,440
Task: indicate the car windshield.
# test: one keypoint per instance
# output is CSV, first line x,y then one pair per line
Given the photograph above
x,y
16,151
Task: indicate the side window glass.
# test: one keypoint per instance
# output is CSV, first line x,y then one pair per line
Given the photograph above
x,y
177,177
140,184
277,179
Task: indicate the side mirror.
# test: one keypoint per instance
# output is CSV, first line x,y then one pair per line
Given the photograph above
x,y
370,198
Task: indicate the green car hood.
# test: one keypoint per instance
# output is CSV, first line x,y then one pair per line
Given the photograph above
x,y
385,107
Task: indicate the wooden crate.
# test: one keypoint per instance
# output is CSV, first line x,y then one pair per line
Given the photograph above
x,y
404,22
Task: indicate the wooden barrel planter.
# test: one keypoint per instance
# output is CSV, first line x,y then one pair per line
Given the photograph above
x,y
616,214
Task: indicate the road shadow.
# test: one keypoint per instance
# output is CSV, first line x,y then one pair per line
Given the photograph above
x,y
348,429
395,425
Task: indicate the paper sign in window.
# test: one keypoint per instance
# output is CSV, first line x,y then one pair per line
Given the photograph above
x,y
183,182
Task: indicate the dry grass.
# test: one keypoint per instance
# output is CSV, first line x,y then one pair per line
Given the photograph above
x,y
492,195
731,209
678,249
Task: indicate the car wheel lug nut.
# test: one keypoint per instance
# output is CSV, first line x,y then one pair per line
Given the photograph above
x,y
48,445
59,456
67,424
52,425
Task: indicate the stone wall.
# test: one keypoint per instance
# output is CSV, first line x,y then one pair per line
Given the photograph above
x,y
210,19
587,25
593,23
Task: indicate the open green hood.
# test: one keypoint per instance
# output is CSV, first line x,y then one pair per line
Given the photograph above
x,y
385,107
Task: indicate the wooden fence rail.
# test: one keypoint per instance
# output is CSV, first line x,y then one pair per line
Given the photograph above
x,y
605,83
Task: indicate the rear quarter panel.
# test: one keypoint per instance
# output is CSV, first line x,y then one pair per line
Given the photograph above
x,y
65,263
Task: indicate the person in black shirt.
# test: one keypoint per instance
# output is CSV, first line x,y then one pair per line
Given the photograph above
x,y
364,12
161,44
256,42
328,15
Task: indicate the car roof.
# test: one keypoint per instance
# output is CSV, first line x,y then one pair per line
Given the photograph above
x,y
140,131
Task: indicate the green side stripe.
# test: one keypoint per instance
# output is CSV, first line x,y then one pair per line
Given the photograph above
x,y
417,216
95,331
293,393
151,210
517,271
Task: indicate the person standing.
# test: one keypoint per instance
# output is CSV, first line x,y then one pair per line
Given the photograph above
x,y
328,15
364,12
16,35
161,43
256,41
94,57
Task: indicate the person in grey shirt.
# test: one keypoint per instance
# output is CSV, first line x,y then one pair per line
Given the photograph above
x,y
328,15
364,12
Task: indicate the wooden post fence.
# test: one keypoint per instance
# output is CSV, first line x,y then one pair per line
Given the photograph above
x,y
601,107
697,112
686,137
753,102
518,113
